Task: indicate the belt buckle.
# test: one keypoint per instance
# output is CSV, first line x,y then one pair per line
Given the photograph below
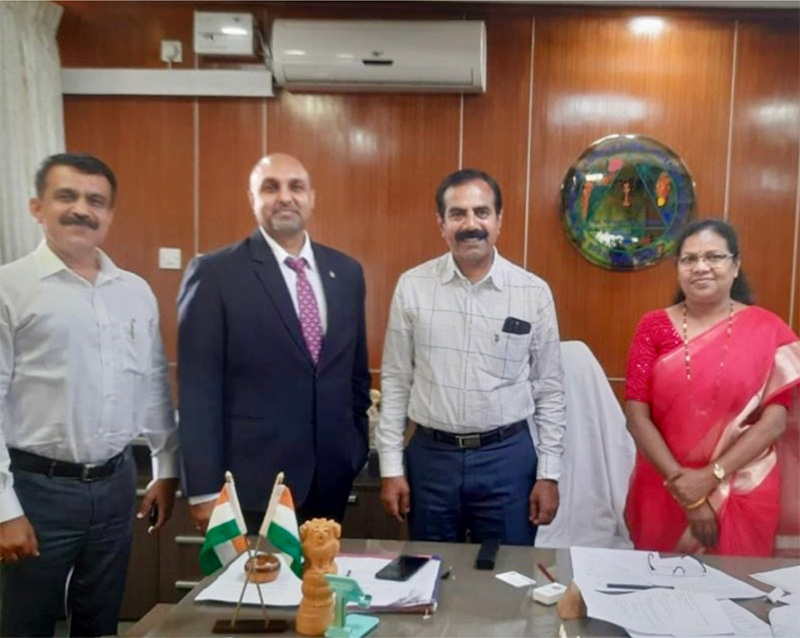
x,y
85,469
468,440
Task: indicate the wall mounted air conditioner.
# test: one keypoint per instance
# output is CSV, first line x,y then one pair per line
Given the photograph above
x,y
380,55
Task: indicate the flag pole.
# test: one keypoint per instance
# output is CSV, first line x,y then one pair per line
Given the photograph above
x,y
278,481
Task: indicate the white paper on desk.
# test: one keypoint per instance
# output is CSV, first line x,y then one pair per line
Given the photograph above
x,y
660,611
787,578
745,624
595,568
420,589
785,621
284,591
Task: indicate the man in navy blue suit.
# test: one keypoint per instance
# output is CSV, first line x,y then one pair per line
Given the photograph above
x,y
272,360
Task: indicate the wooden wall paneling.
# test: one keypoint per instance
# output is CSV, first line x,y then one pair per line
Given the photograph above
x,y
148,143
594,77
123,34
231,140
375,162
764,161
495,137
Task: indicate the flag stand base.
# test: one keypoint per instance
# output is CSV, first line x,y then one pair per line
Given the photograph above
x,y
250,626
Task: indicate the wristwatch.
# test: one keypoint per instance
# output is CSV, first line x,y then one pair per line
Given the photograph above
x,y
718,471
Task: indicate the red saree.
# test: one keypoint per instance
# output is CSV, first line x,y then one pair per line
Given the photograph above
x,y
732,380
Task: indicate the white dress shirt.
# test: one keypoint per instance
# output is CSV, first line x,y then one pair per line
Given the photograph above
x,y
290,276
82,368
448,363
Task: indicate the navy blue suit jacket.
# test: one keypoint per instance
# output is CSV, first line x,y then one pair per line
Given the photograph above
x,y
251,399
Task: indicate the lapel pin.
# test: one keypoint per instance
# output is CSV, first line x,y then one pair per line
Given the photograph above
x,y
332,274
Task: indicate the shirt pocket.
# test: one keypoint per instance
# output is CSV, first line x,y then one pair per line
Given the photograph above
x,y
501,354
132,336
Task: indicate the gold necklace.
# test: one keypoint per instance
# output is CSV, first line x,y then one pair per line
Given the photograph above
x,y
687,357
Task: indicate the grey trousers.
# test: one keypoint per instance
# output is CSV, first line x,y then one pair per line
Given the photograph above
x,y
84,531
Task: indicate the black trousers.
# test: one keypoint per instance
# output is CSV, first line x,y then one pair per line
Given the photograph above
x,y
84,531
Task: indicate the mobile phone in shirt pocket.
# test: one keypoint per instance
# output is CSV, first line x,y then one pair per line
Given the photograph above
x,y
515,326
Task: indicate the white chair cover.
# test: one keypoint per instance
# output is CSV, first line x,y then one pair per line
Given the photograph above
x,y
598,459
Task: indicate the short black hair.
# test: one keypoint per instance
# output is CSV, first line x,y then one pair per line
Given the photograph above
x,y
462,177
82,162
740,291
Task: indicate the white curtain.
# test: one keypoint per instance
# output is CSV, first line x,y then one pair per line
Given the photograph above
x,y
31,115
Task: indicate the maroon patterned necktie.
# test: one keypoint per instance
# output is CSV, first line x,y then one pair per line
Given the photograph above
x,y
310,322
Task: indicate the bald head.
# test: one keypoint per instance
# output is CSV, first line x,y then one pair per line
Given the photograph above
x,y
278,161
281,196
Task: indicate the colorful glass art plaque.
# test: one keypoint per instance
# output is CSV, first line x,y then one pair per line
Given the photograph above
x,y
625,200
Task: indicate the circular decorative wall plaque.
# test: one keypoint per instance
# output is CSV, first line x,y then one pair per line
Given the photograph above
x,y
624,201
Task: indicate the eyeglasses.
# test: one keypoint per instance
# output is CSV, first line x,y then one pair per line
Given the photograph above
x,y
686,565
714,260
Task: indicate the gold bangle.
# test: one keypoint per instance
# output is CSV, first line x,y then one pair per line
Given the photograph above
x,y
696,504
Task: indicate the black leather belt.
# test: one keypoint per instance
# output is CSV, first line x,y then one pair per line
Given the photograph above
x,y
478,439
28,462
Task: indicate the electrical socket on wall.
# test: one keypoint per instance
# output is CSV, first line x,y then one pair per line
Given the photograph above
x,y
169,258
171,51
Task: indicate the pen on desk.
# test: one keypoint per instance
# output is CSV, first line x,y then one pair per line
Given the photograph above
x,y
544,570
632,586
447,573
349,571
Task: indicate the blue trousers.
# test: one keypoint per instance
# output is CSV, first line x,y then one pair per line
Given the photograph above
x,y
475,493
84,528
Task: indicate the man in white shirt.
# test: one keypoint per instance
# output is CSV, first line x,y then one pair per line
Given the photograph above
x,y
82,373
471,357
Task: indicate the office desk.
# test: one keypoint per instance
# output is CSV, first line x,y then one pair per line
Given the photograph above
x,y
471,602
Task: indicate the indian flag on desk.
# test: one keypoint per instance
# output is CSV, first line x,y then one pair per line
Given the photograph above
x,y
225,537
280,526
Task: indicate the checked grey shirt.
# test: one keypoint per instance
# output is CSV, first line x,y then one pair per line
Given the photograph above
x,y
448,364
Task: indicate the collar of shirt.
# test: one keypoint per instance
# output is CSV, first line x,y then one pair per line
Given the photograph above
x,y
280,254
48,263
450,271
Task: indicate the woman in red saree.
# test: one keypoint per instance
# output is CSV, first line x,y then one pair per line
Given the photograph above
x,y
712,383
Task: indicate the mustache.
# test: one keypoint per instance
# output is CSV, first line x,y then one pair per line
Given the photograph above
x,y
477,233
79,220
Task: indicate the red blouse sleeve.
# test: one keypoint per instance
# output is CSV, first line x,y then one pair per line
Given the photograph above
x,y
784,398
653,335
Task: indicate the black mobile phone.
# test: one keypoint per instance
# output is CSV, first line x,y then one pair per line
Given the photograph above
x,y
402,568
153,514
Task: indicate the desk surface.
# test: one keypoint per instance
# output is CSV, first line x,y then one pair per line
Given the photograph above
x,y
471,602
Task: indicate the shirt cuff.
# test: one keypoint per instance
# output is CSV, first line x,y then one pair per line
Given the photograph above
x,y
165,465
391,464
548,467
203,498
9,505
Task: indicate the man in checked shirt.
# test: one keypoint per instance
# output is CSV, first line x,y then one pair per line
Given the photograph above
x,y
471,359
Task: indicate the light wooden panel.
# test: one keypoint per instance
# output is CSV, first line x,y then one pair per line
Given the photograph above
x,y
375,162
594,77
230,142
766,141
496,123
148,144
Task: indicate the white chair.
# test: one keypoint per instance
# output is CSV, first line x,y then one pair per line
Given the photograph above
x,y
598,459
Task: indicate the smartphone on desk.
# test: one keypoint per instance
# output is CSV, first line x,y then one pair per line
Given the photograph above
x,y
402,568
